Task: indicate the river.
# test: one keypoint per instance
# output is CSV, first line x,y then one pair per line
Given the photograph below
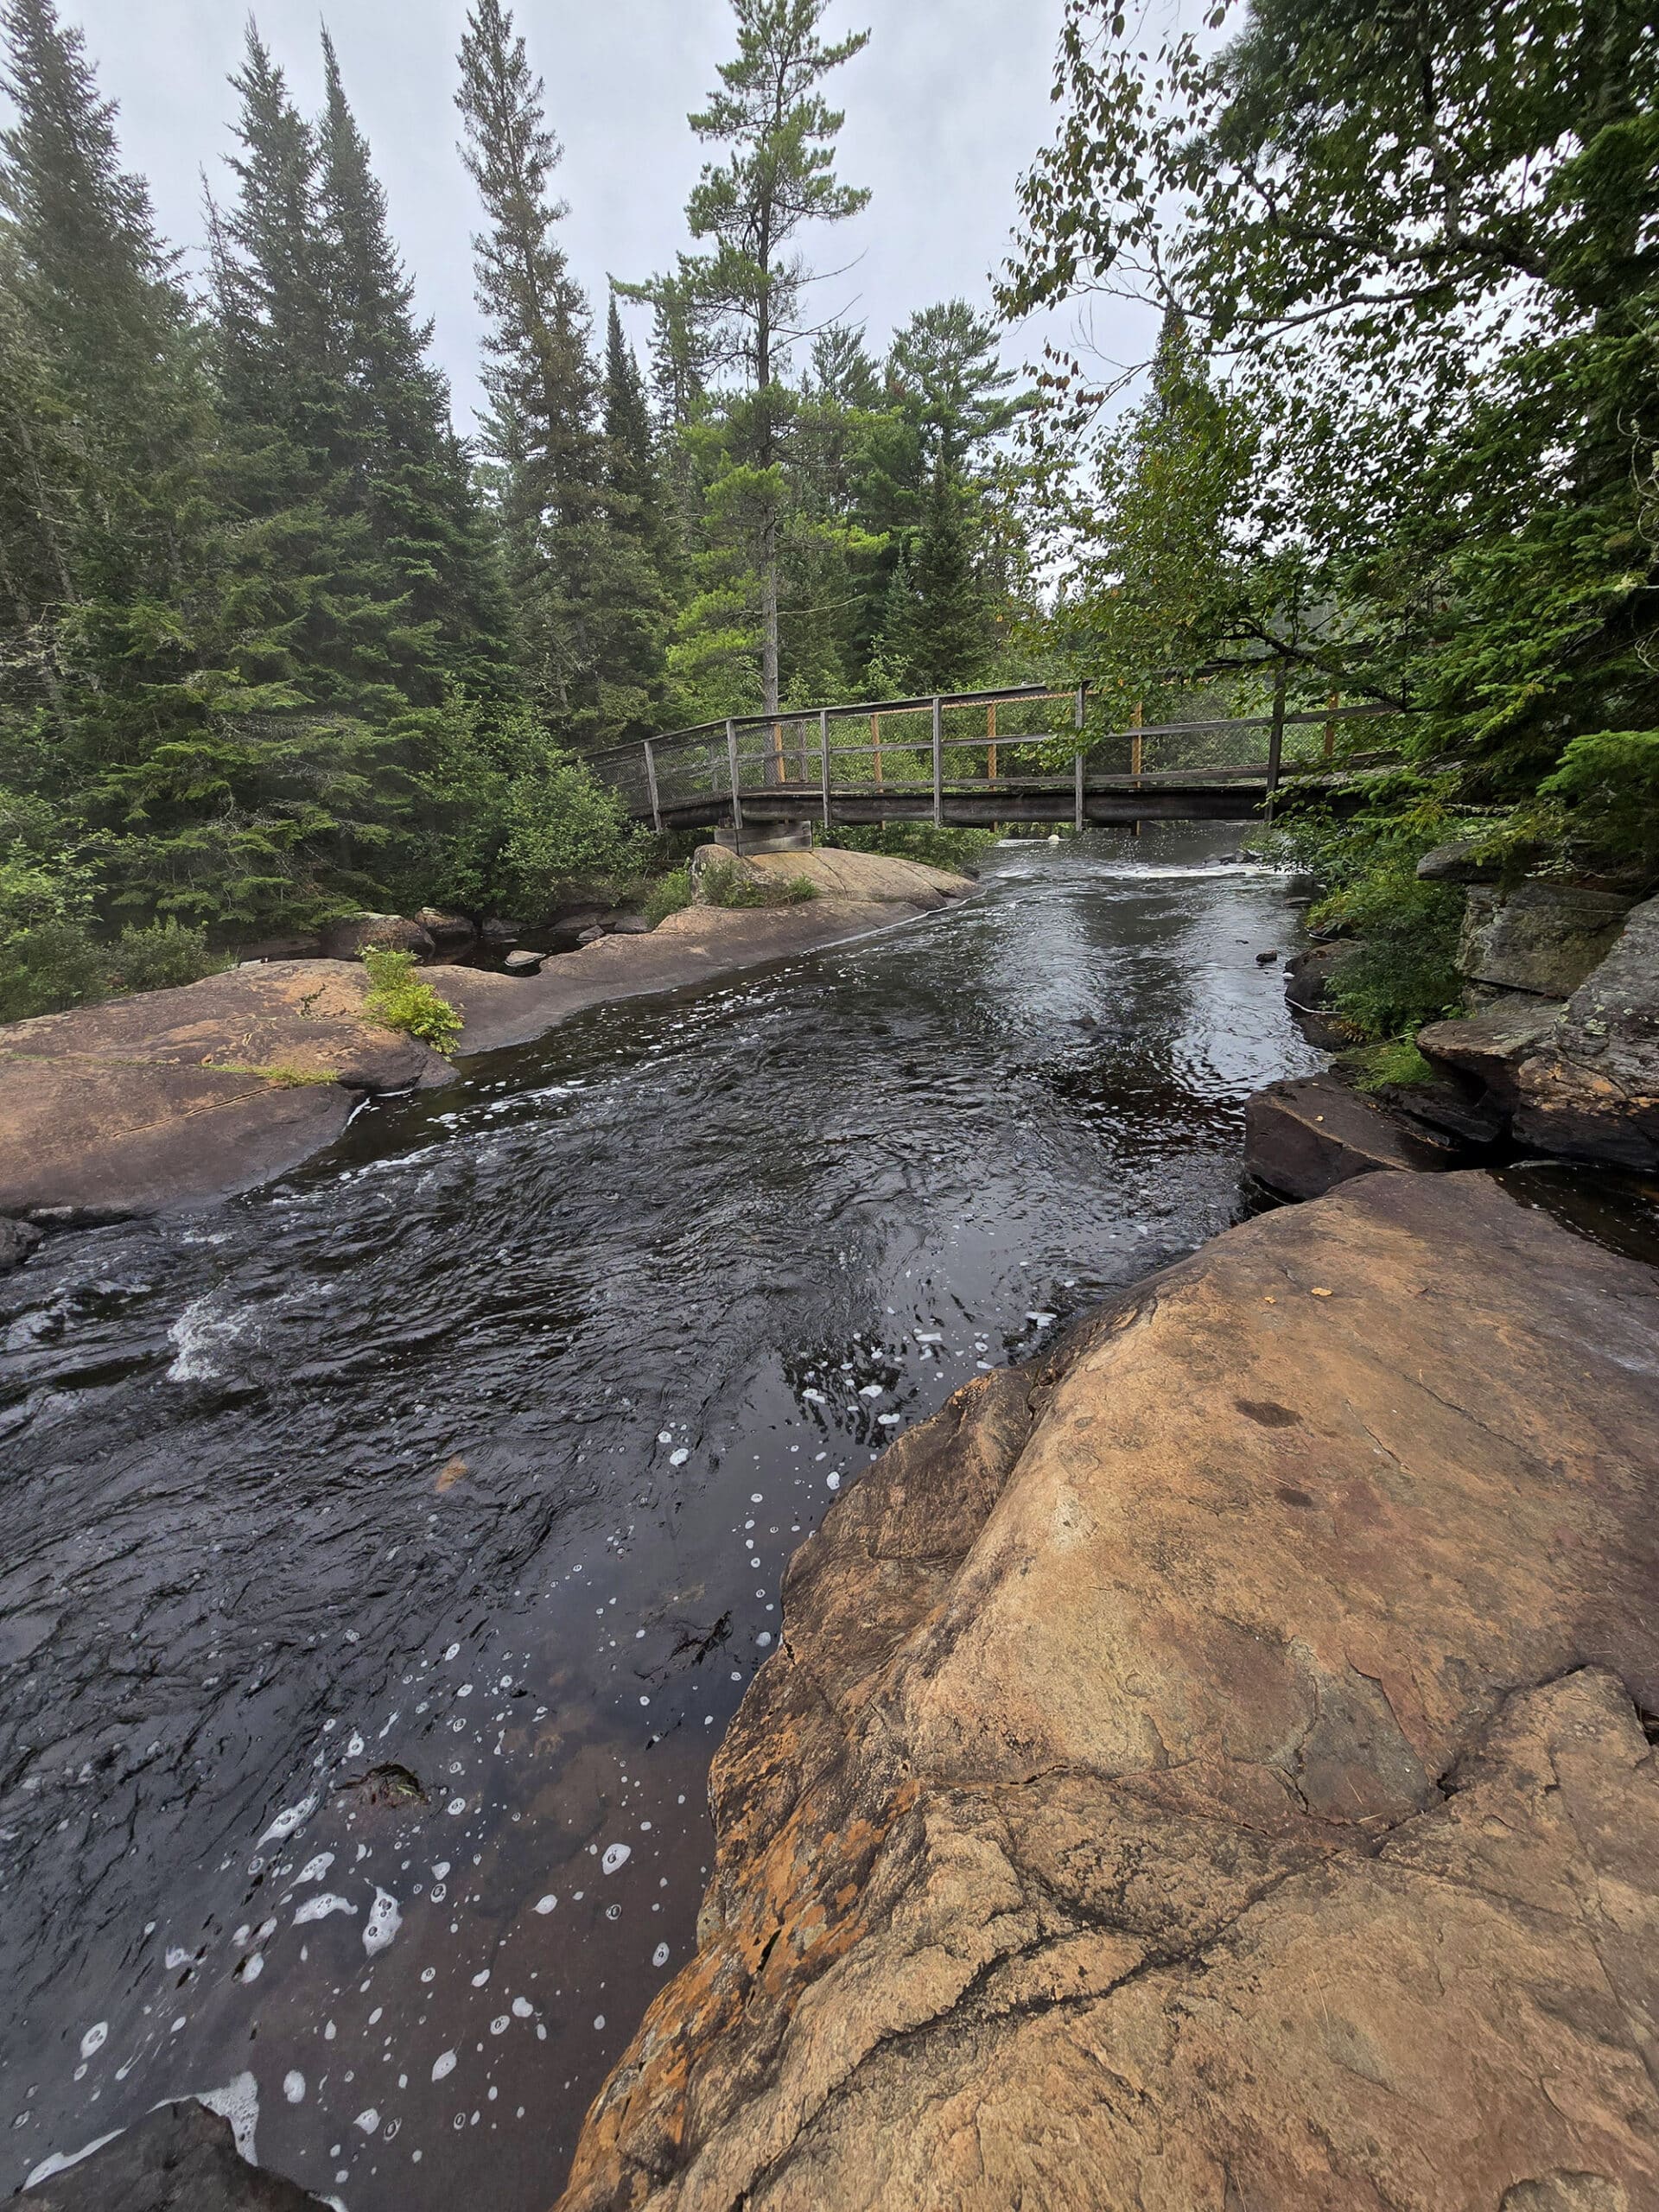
x,y
386,1552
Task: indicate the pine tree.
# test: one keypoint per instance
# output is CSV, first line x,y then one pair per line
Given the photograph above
x,y
745,292
542,432
937,634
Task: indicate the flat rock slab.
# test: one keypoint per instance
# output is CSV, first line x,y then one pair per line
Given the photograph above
x,y
181,2158
1542,937
697,945
171,1097
1304,1136
862,875
1204,1769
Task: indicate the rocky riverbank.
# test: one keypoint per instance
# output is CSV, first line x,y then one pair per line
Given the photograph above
x,y
1557,1054
177,1098
1208,1766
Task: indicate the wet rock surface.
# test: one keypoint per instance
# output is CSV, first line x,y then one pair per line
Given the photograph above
x,y
1304,1136
1591,1089
17,1240
1543,937
1206,1767
181,2158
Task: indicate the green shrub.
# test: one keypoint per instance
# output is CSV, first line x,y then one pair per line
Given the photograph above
x,y
163,957
668,894
400,998
49,967
566,831
725,883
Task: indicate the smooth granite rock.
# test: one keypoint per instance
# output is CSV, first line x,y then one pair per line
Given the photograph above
x,y
17,1240
181,2158
1490,1047
346,940
1203,1770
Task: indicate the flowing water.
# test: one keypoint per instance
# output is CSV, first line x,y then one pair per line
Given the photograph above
x,y
385,1552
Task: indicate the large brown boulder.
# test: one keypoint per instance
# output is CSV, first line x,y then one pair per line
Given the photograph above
x,y
1204,1770
348,938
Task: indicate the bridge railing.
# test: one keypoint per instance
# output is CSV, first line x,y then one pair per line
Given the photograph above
x,y
1023,736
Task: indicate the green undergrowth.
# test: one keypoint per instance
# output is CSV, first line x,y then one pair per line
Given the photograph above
x,y
58,963
724,883
668,894
400,998
284,1078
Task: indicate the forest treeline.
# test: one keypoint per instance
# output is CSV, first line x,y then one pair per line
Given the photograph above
x,y
275,642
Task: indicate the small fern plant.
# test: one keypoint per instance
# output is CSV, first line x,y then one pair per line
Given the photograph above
x,y
400,999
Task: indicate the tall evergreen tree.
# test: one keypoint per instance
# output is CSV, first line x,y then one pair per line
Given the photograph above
x,y
540,373
745,291
412,472
936,634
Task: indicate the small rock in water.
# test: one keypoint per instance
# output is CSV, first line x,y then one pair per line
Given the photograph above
x,y
524,963
1265,959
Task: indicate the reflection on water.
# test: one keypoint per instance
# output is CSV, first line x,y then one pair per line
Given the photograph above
x,y
387,1551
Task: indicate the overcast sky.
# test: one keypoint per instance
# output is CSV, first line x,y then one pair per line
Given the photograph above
x,y
945,108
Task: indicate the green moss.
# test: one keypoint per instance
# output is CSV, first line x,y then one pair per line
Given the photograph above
x,y
1396,1065
285,1078
401,999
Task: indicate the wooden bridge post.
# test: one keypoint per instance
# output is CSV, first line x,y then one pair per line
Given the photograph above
x,y
938,763
1332,700
1079,713
823,759
1277,738
990,743
650,786
876,740
731,763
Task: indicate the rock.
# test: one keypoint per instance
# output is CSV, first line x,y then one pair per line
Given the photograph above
x,y
1308,974
835,875
1591,1090
180,2158
1456,863
631,926
169,1097
1448,1112
446,930
1265,959
1304,1136
1489,1047
501,935
1541,937
350,939
1205,1769
17,1240
523,963
591,936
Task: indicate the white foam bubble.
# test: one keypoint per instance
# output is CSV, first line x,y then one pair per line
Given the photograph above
x,y
288,1822
544,1905
679,1457
443,2065
294,2087
660,1957
314,1869
368,2121
95,2038
385,1919
616,1854
319,1908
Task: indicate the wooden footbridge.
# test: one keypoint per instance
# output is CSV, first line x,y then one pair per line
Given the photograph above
x,y
973,758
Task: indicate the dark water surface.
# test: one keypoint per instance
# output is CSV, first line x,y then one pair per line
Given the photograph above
x,y
386,1553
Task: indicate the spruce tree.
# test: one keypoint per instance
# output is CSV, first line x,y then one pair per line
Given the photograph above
x,y
937,634
539,375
